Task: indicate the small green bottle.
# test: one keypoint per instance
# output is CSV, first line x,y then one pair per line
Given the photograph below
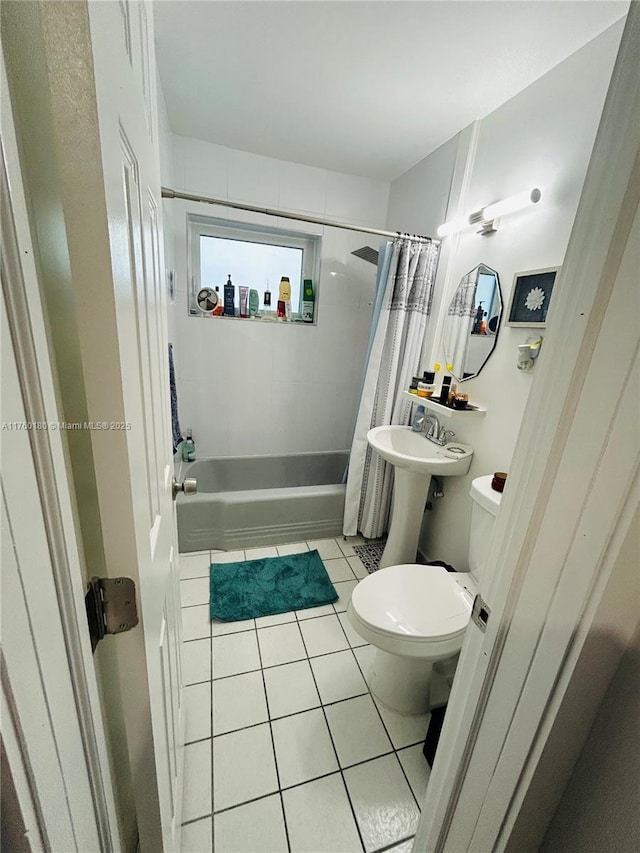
x,y
254,302
188,448
308,301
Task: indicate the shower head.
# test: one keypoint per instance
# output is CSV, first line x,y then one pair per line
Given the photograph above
x,y
367,254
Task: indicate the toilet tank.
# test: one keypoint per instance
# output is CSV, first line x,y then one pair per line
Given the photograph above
x,y
484,508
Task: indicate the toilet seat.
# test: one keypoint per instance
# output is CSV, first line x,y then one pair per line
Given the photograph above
x,y
413,610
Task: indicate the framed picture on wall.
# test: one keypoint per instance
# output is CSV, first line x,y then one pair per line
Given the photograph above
x,y
530,298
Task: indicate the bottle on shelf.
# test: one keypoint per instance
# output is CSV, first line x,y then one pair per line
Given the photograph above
x,y
444,391
308,301
229,299
254,302
267,296
284,297
188,447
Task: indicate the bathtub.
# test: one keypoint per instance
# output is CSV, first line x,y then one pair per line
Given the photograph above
x,y
243,502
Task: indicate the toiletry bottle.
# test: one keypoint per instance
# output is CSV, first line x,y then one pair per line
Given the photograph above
x,y
267,296
229,299
444,391
244,301
254,302
218,309
417,421
284,297
308,301
413,388
188,447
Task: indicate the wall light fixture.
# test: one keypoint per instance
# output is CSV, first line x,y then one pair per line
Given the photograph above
x,y
486,218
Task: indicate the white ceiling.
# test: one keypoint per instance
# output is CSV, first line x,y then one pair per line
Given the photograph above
x,y
367,88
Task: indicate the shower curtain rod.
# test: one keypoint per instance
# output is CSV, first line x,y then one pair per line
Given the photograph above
x,y
269,211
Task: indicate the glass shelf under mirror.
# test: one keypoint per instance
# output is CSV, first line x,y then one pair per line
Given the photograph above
x,y
442,410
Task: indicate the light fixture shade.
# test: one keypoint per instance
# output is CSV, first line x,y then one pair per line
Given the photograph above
x,y
511,204
452,226
493,211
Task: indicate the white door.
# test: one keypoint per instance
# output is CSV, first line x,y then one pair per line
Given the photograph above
x,y
134,467
100,69
53,740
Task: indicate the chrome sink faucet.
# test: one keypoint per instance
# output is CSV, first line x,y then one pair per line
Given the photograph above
x,y
434,432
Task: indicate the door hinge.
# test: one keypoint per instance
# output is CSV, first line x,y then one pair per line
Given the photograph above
x,y
480,613
111,607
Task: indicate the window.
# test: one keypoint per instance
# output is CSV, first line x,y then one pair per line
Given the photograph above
x,y
254,256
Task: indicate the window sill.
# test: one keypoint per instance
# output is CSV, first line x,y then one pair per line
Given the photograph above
x,y
263,317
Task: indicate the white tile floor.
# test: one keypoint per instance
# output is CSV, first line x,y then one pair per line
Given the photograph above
x,y
286,748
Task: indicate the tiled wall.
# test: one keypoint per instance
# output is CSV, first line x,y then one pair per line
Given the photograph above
x,y
258,388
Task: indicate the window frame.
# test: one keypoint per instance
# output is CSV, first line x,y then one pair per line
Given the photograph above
x,y
207,226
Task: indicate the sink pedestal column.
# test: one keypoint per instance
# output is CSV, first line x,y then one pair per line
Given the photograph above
x,y
409,498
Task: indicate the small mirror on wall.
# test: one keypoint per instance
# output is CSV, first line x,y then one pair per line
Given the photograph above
x,y
473,319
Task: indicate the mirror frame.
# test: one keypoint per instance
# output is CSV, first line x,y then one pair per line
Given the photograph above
x,y
478,268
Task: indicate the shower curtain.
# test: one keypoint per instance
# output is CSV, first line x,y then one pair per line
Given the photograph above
x,y
460,317
406,271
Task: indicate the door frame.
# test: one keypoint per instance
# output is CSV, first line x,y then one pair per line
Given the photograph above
x,y
75,714
544,589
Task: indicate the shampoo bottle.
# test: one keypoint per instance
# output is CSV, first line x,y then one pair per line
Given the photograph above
x,y
267,296
284,297
229,299
188,447
308,301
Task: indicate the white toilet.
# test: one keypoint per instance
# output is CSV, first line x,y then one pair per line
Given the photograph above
x,y
416,615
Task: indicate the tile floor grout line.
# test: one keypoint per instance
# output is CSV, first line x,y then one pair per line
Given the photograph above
x,y
273,743
384,725
326,722
284,716
389,848
392,751
269,794
196,819
300,784
383,722
274,666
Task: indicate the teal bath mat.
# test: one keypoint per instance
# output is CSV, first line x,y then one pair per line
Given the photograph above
x,y
271,585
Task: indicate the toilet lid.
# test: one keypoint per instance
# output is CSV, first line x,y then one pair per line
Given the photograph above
x,y
413,600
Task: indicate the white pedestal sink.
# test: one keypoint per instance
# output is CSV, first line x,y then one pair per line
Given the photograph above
x,y
415,460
